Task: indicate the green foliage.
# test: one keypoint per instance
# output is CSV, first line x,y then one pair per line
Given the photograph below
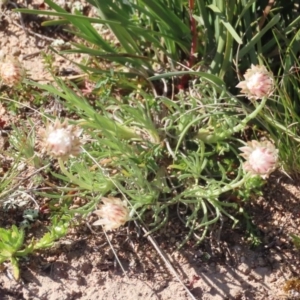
x,y
12,240
23,141
6,182
146,31
227,38
178,150
155,153
161,32
251,188
57,230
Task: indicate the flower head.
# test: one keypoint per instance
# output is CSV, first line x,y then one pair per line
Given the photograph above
x,y
113,213
261,158
258,83
61,140
11,71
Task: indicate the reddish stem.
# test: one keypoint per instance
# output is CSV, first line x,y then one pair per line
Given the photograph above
x,y
194,34
185,79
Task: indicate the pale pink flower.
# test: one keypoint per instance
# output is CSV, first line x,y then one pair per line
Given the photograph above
x,y
261,158
258,83
113,213
62,140
11,71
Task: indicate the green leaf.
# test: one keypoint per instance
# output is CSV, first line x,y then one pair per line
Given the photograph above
x,y
18,236
6,251
250,45
27,250
109,127
227,24
45,242
65,15
11,240
15,268
245,10
214,8
4,235
232,31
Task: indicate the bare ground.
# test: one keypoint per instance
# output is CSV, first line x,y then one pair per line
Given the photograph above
x,y
224,266
83,266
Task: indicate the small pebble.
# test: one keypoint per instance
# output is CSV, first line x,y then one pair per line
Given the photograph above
x,y
244,268
277,258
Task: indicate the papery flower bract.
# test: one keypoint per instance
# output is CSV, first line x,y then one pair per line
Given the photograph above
x,y
261,158
113,213
258,83
11,71
62,140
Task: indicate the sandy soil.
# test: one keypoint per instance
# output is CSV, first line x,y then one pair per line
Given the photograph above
x,y
224,266
83,266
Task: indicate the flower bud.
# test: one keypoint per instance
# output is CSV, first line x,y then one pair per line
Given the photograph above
x,y
261,158
258,83
11,72
61,140
113,213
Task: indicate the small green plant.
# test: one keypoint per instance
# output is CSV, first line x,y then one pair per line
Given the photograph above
x,y
187,155
12,248
57,230
12,241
